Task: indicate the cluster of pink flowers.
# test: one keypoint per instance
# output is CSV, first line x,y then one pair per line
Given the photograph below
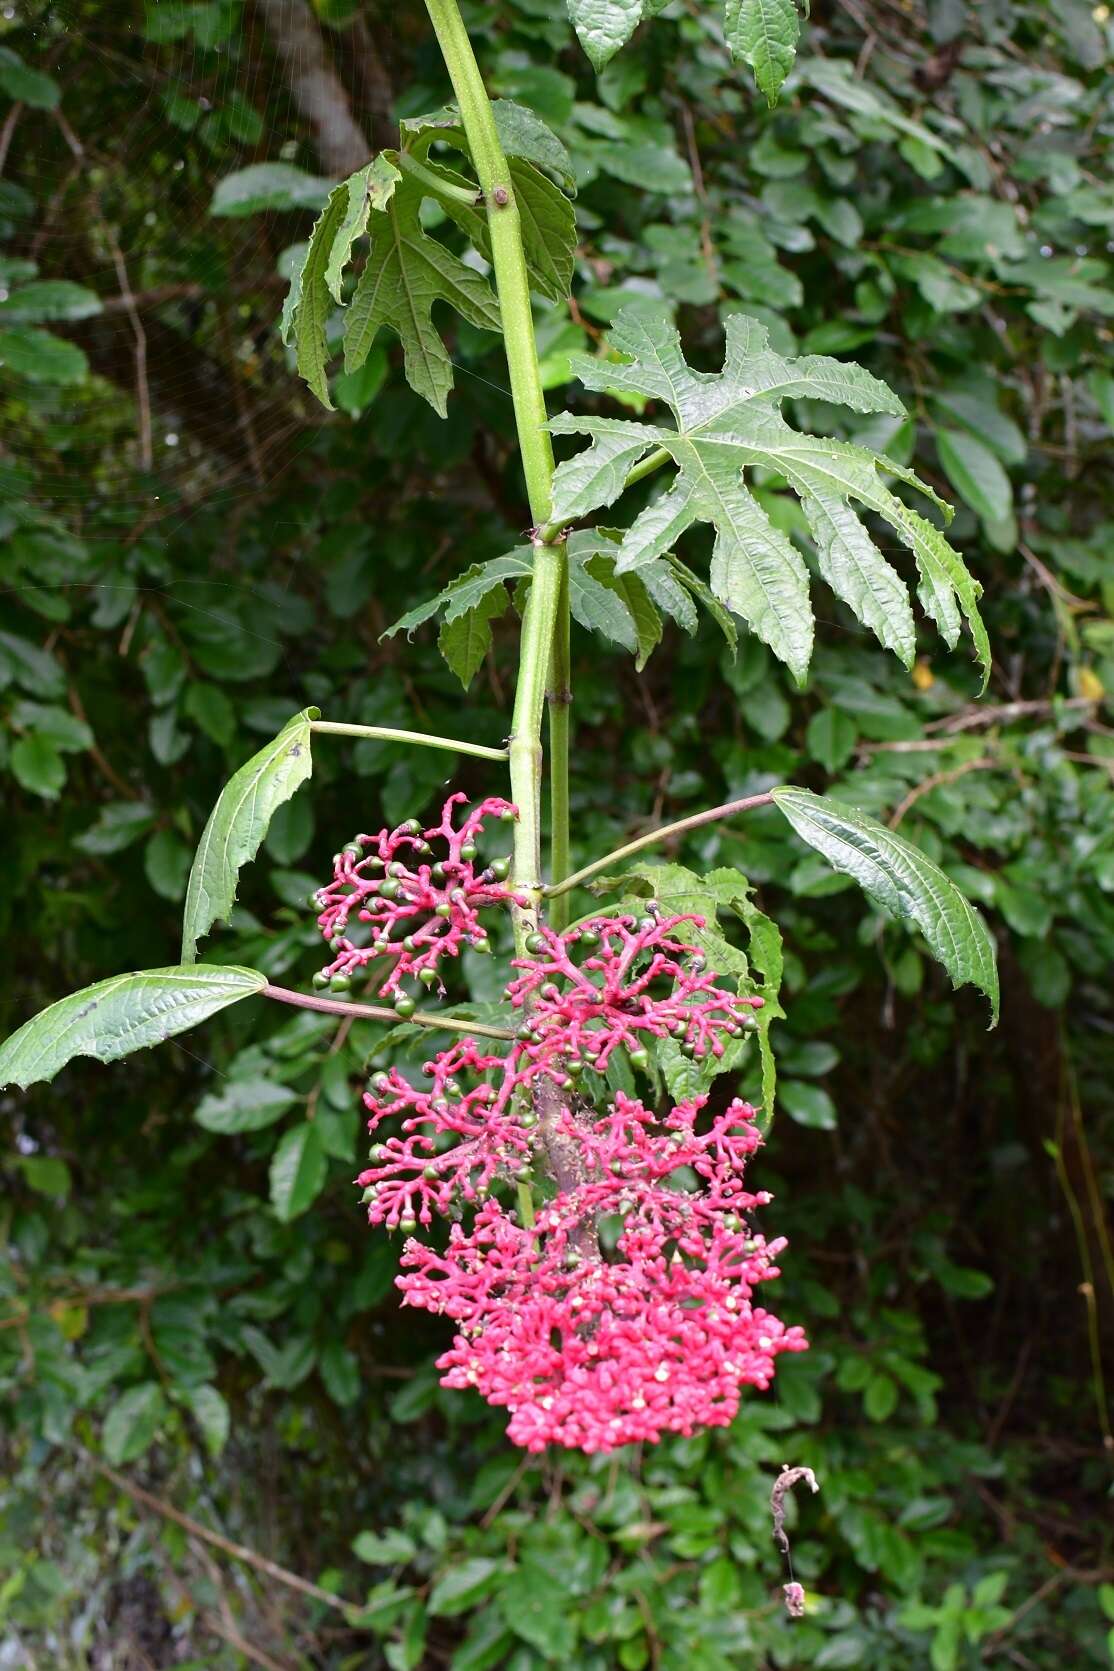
x,y
616,1305
592,1352
419,904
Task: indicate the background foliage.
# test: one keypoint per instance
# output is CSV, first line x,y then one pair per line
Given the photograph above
x,y
192,550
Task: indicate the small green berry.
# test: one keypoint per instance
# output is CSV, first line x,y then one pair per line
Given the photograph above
x,y
389,889
639,1059
589,938
369,1194
339,983
353,849
535,943
438,872
443,910
408,1226
404,1005
381,1082
427,977
411,826
468,851
500,869
482,946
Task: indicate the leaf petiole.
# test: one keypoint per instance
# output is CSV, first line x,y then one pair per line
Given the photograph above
x,y
388,734
377,1012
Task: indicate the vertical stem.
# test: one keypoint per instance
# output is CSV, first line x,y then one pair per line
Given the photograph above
x,y
545,625
559,696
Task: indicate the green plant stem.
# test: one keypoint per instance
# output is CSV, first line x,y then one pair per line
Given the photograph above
x,y
545,624
387,734
376,1012
411,165
559,698
713,814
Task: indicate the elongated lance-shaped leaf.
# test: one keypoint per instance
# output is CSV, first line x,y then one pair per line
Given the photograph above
x,y
238,823
117,1016
406,273
902,881
728,421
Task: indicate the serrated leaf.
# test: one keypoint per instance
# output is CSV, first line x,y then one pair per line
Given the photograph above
x,y
764,34
113,1018
547,219
729,421
465,640
244,1105
309,317
467,590
406,273
603,26
902,881
238,823
636,600
298,1171
132,1422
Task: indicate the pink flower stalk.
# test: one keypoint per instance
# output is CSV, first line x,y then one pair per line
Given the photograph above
x,y
419,906
640,979
594,1352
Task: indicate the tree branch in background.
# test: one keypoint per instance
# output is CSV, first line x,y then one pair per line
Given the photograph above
x,y
316,87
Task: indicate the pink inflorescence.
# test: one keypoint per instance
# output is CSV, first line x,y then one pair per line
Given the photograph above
x,y
623,1311
420,902
641,979
592,1351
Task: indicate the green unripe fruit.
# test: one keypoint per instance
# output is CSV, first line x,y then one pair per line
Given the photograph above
x,y
646,924
422,847
375,862
408,1226
380,1082
500,869
429,1172
313,903
438,873
443,910
468,851
481,946
639,1059
336,942
411,826
321,979
409,942
589,938
507,816
389,889
339,983
369,1194
427,976
689,1052
404,1005
353,849
535,943
396,869
575,1068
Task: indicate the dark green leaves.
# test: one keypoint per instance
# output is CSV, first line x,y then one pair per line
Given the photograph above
x,y
761,33
298,1171
238,823
625,609
902,881
731,421
117,1016
407,272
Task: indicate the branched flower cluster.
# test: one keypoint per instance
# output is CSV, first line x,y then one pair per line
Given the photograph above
x,y
659,1337
420,902
638,981
623,1310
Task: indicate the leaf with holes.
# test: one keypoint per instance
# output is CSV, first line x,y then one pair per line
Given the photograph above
x,y
731,421
902,881
121,1015
238,823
